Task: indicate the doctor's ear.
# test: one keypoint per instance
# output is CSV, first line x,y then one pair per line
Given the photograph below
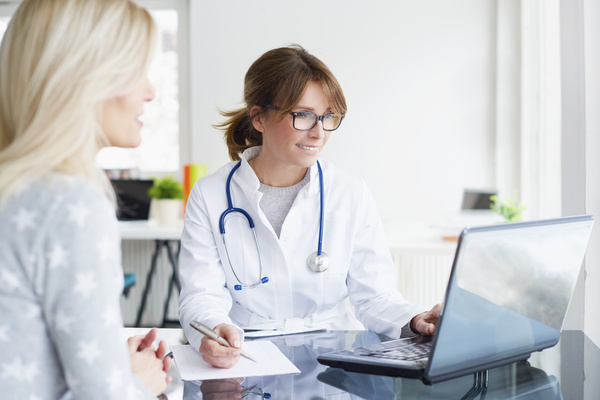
x,y
257,116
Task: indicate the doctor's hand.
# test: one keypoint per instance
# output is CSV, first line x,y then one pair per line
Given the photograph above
x,y
426,322
222,389
221,356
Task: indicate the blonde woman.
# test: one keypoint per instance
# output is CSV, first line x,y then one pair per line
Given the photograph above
x,y
72,80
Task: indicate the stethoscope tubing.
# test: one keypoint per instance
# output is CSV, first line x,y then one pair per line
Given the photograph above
x,y
317,264
230,207
322,212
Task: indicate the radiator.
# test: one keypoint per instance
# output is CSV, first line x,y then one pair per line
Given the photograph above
x,y
423,273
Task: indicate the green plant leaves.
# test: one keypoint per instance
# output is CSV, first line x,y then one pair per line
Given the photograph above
x,y
166,188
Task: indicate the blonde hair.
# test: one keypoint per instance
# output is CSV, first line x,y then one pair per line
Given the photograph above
x,y
59,61
278,77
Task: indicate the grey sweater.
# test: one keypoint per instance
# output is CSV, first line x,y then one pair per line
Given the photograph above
x,y
276,202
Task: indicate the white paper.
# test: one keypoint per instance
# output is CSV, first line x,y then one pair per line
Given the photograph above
x,y
275,332
269,361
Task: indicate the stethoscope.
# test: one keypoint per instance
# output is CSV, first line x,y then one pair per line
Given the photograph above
x,y
317,261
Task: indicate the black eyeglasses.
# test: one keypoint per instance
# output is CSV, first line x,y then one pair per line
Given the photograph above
x,y
305,121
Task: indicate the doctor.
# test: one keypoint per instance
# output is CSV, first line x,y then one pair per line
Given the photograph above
x,y
317,238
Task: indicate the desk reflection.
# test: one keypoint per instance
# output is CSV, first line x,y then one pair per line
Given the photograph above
x,y
316,381
515,381
302,350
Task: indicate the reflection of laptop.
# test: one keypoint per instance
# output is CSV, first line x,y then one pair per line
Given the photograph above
x,y
132,198
507,296
517,381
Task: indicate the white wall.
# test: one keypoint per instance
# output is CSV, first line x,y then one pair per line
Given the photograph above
x,y
418,77
581,146
592,100
573,132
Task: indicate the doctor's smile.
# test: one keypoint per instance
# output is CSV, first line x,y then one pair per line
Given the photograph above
x,y
309,148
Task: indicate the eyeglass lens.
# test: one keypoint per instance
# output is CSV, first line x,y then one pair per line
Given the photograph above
x,y
305,121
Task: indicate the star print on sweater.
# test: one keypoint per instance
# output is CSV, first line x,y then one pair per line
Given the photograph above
x,y
61,329
19,370
24,219
9,280
57,256
3,333
78,213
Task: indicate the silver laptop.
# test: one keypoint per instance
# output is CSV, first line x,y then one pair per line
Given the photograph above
x,y
507,296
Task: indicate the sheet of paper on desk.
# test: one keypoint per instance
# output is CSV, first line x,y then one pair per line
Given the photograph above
x,y
275,332
270,361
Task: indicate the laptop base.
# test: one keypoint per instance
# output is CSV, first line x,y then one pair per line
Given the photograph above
x,y
374,369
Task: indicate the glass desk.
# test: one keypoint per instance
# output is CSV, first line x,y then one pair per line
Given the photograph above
x,y
570,370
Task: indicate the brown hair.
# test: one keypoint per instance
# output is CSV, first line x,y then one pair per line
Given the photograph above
x,y
278,77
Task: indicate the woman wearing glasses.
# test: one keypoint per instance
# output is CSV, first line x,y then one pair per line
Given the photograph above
x,y
279,239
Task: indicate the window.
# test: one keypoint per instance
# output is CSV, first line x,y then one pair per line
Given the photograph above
x,y
160,148
3,25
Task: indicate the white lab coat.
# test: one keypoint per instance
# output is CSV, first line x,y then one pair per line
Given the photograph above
x,y
360,264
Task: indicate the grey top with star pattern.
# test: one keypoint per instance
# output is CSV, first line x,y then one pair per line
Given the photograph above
x,y
60,284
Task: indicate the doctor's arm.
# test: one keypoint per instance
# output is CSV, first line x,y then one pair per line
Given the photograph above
x,y
372,277
204,296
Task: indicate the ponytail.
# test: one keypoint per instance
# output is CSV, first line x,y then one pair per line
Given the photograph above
x,y
239,134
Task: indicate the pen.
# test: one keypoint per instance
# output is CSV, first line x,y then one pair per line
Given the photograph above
x,y
206,331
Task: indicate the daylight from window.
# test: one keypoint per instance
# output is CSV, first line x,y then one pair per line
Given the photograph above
x,y
159,151
3,25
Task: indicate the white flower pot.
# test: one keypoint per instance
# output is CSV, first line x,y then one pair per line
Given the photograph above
x,y
167,211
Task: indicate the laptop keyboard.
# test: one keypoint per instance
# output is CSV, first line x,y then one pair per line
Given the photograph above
x,y
400,351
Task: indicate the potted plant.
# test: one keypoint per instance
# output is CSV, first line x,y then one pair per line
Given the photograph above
x,y
167,196
509,209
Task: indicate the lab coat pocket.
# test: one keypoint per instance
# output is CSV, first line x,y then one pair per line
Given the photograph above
x,y
336,241
337,245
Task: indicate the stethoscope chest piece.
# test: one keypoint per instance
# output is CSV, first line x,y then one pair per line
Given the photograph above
x,y
318,263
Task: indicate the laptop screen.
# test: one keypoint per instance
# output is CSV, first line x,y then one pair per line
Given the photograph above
x,y
477,199
508,292
132,198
